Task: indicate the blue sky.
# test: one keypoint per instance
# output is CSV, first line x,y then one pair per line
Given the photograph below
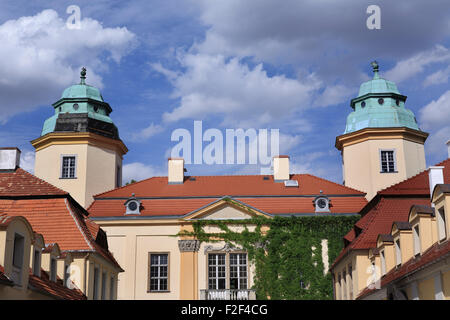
x,y
291,65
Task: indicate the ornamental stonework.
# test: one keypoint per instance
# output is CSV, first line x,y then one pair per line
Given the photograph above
x,y
188,245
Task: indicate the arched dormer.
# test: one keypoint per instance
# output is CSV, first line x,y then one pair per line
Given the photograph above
x,y
36,254
322,204
132,205
16,236
64,262
441,201
423,225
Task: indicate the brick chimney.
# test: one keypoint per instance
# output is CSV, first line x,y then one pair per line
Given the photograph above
x,y
175,171
9,158
280,168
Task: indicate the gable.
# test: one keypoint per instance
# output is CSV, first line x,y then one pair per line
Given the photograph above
x,y
226,212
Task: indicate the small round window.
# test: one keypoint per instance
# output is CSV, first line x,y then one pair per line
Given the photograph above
x,y
75,106
132,206
363,104
322,203
381,101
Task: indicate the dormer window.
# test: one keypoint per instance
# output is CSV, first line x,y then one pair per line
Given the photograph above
x,y
53,269
37,262
416,236
322,204
17,263
442,232
398,252
133,206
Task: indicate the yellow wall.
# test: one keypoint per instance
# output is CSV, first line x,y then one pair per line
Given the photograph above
x,y
446,284
95,169
426,289
362,164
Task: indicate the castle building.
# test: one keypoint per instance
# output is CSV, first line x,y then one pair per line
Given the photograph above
x,y
382,143
49,248
79,149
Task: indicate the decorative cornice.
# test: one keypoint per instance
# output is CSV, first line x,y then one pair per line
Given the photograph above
x,y
226,248
189,245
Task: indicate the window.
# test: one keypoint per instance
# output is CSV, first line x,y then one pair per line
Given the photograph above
x,y
66,275
238,271
398,252
344,286
132,206
68,167
118,177
96,272
111,289
216,271
19,242
387,161
322,204
350,282
37,263
103,285
383,263
416,236
53,269
442,233
159,272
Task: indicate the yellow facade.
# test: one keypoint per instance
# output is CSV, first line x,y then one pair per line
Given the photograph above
x,y
98,163
361,157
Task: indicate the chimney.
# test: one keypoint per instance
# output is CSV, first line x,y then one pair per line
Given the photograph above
x,y
280,168
435,176
9,158
176,171
448,148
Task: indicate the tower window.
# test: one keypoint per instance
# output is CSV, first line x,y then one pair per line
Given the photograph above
x,y
387,158
381,101
68,167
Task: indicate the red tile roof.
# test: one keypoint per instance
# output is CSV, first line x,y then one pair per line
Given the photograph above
x,y
23,183
57,290
158,198
389,205
432,255
219,186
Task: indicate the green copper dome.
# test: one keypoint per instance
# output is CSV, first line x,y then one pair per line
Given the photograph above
x,y
379,105
81,109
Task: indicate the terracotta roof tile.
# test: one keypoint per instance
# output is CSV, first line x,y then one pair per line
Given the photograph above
x,y
55,289
23,183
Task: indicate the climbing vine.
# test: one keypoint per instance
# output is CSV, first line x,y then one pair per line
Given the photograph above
x,y
286,251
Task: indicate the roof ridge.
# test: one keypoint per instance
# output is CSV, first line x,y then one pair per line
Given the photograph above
x,y
340,185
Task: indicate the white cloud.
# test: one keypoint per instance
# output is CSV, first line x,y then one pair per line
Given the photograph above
x,y
408,68
39,56
138,171
147,132
27,160
439,77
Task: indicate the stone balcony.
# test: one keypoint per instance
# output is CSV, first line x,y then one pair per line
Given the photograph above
x,y
228,294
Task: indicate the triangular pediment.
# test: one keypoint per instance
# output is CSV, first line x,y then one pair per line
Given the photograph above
x,y
225,209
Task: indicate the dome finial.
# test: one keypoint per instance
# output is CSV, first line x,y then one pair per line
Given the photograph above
x,y
83,75
375,68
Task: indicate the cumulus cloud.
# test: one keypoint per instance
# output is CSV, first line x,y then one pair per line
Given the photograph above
x,y
39,56
148,132
416,64
27,160
438,77
138,171
434,117
244,96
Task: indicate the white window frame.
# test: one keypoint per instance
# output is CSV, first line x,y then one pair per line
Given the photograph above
x,y
62,165
394,155
217,268
442,228
238,266
416,239
398,252
159,277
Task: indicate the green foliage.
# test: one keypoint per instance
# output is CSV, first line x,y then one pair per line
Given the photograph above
x,y
283,256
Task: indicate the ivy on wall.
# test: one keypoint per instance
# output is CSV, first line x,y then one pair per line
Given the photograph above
x,y
288,256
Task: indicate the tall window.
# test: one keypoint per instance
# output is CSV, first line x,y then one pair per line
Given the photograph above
x,y
416,236
103,285
68,167
238,271
441,224
37,263
350,282
216,271
118,177
53,269
18,253
111,288
96,283
159,272
398,252
387,161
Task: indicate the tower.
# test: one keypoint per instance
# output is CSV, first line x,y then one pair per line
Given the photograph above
x,y
79,149
382,143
